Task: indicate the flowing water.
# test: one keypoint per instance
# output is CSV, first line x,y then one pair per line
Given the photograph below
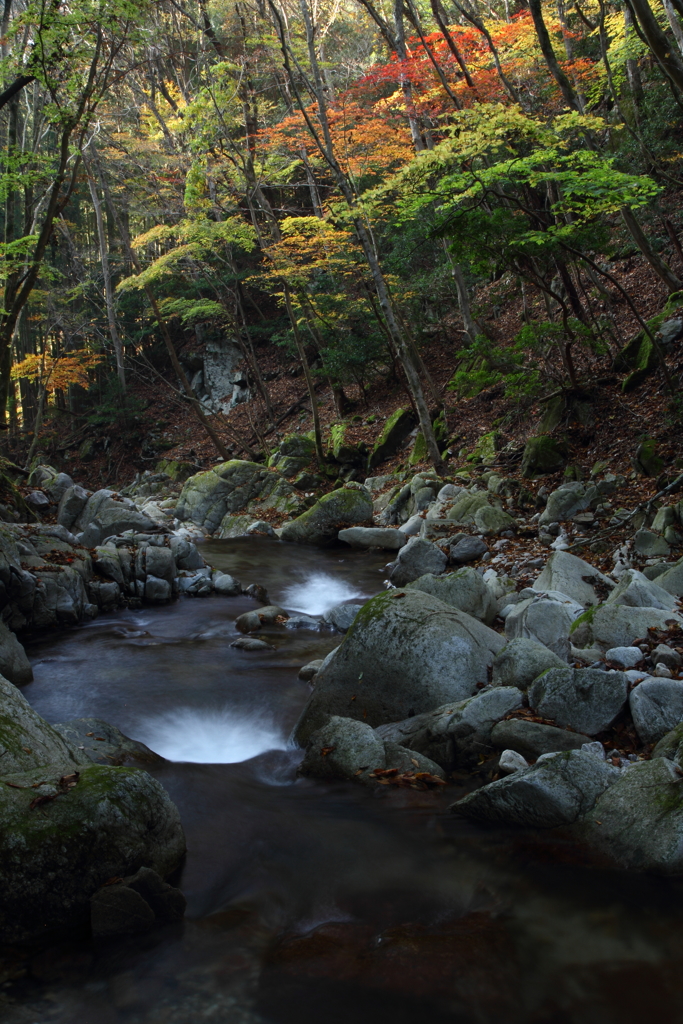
x,y
312,903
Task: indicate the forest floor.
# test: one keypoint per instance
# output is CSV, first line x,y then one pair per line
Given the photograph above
x,y
110,455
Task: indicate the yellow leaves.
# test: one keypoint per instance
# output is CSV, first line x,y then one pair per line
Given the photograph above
x,y
56,373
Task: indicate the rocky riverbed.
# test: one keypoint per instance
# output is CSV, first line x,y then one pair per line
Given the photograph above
x,y
508,659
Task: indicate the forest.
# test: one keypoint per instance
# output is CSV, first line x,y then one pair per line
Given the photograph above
x,y
341,511
414,204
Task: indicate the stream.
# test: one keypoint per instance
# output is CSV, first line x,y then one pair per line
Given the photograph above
x,y
318,903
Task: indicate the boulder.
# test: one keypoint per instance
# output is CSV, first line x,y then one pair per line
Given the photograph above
x,y
206,498
657,707
546,618
531,739
521,661
321,523
106,516
638,822
417,558
71,505
464,589
636,591
467,549
555,792
343,749
405,760
94,823
224,583
406,652
491,521
650,545
118,910
58,486
14,664
566,501
394,433
367,537
308,672
157,591
671,579
615,625
625,657
671,745
455,735
587,700
102,743
542,455
572,576
261,528
342,615
510,761
466,507
26,739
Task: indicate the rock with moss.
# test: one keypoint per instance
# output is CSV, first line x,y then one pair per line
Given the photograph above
x,y
345,506
555,791
102,743
466,507
394,433
521,661
342,449
14,664
297,446
175,469
638,822
567,500
647,462
486,449
26,739
406,653
464,589
542,454
612,625
66,830
492,521
229,488
419,452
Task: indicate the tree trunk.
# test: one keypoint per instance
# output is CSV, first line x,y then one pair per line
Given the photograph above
x,y
570,97
106,274
661,269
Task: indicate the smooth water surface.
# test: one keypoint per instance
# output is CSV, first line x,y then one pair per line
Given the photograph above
x,y
315,903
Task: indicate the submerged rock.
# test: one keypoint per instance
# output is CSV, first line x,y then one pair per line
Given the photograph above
x,y
406,653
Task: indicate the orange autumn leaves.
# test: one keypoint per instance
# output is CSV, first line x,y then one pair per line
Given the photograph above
x,y
369,122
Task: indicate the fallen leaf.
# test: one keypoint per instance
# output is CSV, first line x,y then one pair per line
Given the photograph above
x,y
324,751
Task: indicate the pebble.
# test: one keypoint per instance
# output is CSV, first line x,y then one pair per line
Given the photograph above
x,y
511,761
663,671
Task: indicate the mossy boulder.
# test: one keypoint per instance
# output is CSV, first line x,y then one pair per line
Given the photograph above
x,y
406,652
466,507
647,462
65,831
543,454
26,739
346,506
206,498
419,452
342,449
298,446
491,521
486,449
395,431
176,470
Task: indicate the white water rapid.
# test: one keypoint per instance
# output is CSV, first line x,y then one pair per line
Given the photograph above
x,y
319,592
211,737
